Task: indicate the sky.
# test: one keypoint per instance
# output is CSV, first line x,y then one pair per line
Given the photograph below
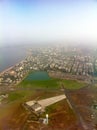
x,y
48,21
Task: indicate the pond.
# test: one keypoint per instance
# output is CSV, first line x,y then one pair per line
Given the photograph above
x,y
38,75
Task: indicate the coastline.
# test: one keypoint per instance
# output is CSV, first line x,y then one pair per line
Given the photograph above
x,y
2,72
8,69
9,57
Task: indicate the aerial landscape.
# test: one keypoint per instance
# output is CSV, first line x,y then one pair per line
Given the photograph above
x,y
48,65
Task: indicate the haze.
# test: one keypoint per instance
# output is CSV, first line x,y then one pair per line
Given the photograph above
x,y
48,21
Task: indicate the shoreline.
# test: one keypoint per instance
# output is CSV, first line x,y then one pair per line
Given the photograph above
x,y
12,66
2,72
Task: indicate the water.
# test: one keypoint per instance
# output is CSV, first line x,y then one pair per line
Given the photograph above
x,y
9,56
38,75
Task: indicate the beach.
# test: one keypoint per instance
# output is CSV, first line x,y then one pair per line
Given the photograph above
x,y
10,56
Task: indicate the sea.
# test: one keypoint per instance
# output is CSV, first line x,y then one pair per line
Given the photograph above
x,y
11,55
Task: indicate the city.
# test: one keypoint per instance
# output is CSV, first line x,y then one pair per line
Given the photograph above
x,y
52,59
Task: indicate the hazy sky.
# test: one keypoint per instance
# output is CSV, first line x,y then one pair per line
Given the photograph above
x,y
48,20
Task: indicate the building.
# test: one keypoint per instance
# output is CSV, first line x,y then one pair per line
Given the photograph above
x,y
39,106
34,106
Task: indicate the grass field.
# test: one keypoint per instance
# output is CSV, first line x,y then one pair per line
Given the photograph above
x,y
53,83
19,95
73,84
26,88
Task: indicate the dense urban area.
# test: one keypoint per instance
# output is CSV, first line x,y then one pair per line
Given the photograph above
x,y
71,61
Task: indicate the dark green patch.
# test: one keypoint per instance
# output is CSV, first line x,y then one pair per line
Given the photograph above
x,y
14,96
53,83
37,76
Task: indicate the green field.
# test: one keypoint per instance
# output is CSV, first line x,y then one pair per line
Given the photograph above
x,y
19,95
72,84
41,79
26,88
52,83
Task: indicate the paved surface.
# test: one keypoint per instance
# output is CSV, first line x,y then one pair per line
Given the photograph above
x,y
49,101
52,100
